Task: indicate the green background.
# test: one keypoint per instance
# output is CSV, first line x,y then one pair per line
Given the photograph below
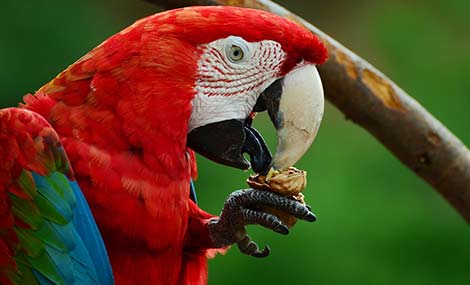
x,y
377,222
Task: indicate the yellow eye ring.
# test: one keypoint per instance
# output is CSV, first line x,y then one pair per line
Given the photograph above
x,y
236,53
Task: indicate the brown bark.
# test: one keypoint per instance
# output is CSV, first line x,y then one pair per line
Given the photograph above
x,y
373,101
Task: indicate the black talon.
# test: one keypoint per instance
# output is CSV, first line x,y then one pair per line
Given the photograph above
x,y
260,254
310,217
283,230
249,247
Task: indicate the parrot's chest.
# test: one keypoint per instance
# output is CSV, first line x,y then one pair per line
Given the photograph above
x,y
131,202
153,224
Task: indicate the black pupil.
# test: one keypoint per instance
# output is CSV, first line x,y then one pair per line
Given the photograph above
x,y
236,52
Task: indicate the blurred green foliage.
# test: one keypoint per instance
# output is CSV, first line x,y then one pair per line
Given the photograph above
x,y
377,222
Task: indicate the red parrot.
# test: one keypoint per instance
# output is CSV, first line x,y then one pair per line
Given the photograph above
x,y
129,115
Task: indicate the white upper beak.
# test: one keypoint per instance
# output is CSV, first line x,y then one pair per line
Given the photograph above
x,y
301,108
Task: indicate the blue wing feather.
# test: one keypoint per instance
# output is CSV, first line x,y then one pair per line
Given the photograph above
x,y
192,191
65,269
88,230
84,261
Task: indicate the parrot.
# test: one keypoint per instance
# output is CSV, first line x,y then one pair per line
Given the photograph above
x,y
97,169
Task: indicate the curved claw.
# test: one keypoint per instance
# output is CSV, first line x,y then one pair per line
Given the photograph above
x,y
249,247
244,207
266,251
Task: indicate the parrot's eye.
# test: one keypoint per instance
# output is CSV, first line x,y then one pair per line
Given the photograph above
x,y
235,53
237,50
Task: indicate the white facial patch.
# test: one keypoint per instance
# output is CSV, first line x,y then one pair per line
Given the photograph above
x,y
231,75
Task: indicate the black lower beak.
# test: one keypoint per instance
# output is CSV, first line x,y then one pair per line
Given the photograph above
x,y
225,143
256,148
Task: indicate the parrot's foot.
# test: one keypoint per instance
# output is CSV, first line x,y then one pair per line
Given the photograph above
x,y
242,208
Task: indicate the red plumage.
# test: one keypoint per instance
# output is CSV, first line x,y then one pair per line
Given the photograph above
x,y
122,114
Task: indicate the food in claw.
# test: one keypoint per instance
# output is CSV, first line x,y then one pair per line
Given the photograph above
x,y
289,182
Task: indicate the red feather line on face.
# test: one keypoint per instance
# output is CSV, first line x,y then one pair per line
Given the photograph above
x,y
217,76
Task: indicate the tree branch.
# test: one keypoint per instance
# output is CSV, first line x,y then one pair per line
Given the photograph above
x,y
373,101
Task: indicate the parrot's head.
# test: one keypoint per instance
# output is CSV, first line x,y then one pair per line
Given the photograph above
x,y
250,61
195,77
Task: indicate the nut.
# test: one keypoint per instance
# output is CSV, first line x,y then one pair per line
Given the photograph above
x,y
289,183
